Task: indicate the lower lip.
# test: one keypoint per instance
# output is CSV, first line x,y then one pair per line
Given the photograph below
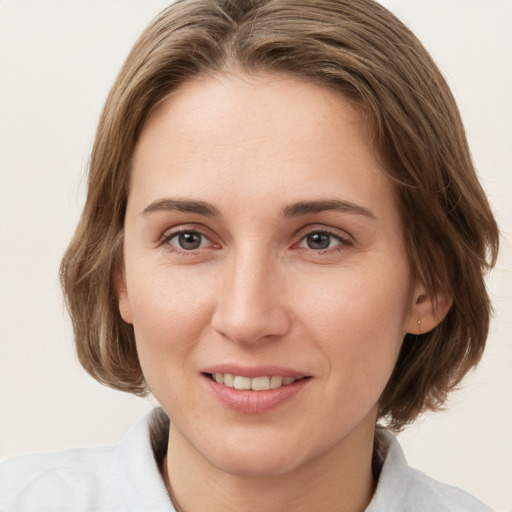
x,y
253,402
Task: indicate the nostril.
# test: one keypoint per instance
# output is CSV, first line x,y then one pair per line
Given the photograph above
x,y
252,325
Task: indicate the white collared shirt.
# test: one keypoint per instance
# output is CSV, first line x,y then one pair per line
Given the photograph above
x,y
125,478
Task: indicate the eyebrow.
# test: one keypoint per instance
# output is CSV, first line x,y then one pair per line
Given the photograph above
x,y
182,205
294,210
310,207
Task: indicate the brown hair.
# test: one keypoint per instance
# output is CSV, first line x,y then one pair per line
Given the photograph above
x,y
366,53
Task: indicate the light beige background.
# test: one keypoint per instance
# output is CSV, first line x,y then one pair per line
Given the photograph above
x,y
57,62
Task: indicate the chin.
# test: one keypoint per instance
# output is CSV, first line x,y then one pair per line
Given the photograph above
x,y
261,465
256,455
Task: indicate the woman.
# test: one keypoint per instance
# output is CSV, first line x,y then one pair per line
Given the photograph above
x,y
284,240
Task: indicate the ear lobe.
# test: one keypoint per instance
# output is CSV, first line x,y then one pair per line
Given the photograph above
x,y
122,296
427,312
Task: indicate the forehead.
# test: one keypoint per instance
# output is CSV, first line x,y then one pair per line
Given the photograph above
x,y
258,135
246,106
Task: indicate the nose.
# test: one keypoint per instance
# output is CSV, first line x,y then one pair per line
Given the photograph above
x,y
249,308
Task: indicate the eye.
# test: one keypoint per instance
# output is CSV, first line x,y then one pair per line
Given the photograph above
x,y
188,240
322,240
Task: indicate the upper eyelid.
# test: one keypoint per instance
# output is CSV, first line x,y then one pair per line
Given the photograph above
x,y
334,233
169,232
318,228
344,241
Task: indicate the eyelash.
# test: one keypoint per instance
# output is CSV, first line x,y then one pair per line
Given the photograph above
x,y
166,240
344,242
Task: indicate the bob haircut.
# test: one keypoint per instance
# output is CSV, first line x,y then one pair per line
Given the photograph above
x,y
363,51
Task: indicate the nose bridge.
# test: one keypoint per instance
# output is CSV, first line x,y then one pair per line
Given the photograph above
x,y
248,307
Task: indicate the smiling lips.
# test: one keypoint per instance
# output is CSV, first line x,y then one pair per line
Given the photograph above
x,y
256,383
256,394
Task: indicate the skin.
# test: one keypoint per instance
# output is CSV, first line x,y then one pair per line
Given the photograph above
x,y
257,290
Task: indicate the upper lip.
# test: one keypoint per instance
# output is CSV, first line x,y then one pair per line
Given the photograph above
x,y
254,371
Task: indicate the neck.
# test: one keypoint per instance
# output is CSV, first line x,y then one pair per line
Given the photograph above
x,y
340,480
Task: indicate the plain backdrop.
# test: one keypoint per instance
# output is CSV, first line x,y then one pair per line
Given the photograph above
x,y
57,62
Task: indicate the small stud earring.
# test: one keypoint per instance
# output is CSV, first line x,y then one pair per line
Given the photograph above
x,y
419,326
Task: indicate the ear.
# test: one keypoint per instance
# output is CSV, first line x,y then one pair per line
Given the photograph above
x,y
427,312
122,294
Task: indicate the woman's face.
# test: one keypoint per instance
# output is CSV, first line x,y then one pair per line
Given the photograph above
x,y
262,242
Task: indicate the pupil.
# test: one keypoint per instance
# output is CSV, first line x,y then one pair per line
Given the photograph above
x,y
189,241
318,241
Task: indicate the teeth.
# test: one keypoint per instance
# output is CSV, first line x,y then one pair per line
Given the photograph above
x,y
256,383
260,383
228,379
241,382
276,382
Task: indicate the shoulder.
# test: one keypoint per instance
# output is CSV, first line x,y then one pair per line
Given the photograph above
x,y
116,478
57,479
436,493
401,488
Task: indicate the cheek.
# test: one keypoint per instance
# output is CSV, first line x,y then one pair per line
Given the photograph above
x,y
358,323
170,310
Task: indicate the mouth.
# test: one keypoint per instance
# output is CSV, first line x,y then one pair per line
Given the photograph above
x,y
261,383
